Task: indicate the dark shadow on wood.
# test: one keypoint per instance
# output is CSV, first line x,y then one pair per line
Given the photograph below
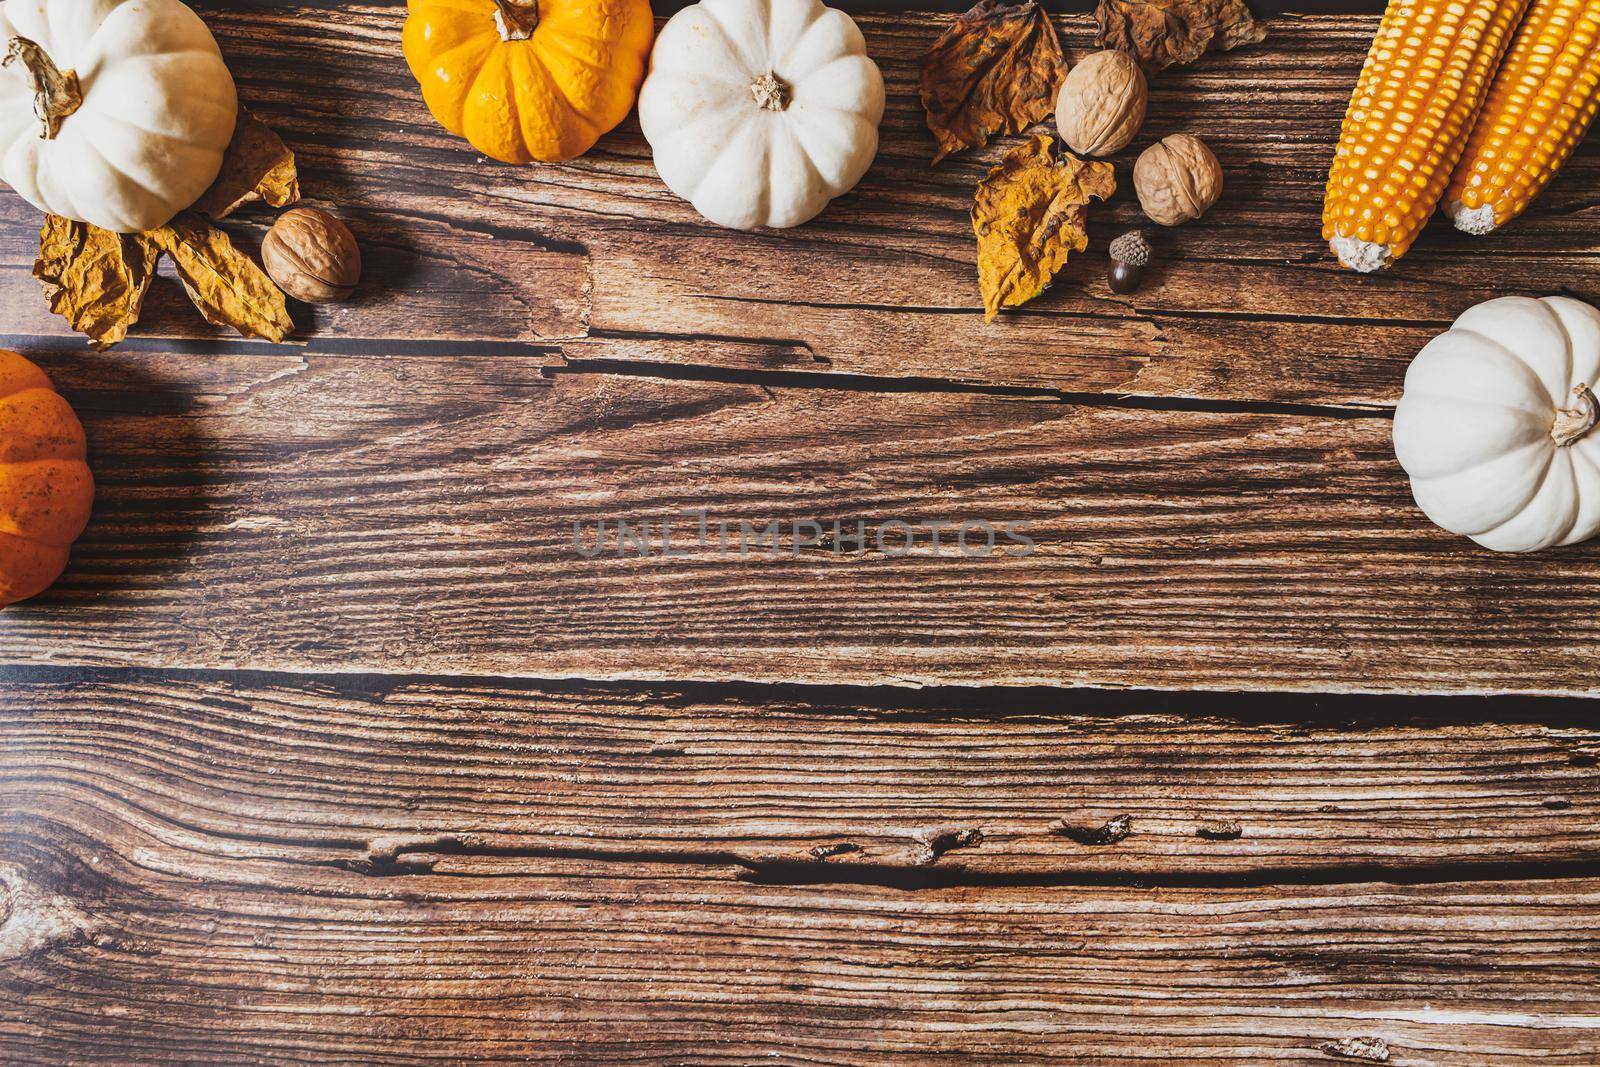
x,y
152,497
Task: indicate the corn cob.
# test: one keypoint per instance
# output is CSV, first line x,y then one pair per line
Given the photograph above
x,y
1539,107
1424,80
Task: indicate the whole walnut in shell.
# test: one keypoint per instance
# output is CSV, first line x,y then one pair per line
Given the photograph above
x,y
1177,179
1102,103
312,256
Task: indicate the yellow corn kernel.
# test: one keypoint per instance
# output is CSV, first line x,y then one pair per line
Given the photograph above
x,y
1426,76
1539,106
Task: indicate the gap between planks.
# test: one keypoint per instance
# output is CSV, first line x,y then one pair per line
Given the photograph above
x,y
711,374
910,704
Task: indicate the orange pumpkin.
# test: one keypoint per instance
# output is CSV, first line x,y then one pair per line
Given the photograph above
x,y
45,487
529,79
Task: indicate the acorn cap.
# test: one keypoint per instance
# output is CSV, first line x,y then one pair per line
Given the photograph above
x,y
1132,248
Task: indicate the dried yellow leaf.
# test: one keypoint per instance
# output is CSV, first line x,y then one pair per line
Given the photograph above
x,y
93,278
257,166
1028,214
224,283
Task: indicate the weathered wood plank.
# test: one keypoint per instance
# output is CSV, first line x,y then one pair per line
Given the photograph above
x,y
1246,306
346,513
129,936
825,785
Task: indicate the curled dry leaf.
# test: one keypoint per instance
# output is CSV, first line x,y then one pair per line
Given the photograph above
x,y
224,283
997,70
97,280
1161,33
1029,213
93,278
257,166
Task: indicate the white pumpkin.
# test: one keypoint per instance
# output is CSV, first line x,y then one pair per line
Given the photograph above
x,y
1497,424
112,112
759,112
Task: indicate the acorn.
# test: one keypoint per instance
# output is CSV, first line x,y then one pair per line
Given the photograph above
x,y
1130,255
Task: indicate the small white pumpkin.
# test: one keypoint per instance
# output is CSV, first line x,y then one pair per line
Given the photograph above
x,y
112,112
1497,424
759,112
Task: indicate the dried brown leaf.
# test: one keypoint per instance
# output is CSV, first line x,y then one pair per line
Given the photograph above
x,y
1028,214
93,278
224,283
996,71
257,166
1161,33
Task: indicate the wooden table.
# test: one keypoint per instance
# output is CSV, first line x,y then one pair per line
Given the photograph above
x,y
330,747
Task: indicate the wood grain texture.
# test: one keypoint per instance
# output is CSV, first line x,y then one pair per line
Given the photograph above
x,y
208,865
215,870
1245,305
366,513
293,962
829,785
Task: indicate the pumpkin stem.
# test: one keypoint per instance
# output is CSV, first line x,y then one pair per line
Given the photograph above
x,y
516,19
56,93
770,93
1573,423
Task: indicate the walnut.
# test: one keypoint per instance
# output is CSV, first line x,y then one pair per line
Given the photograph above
x,y
1101,105
312,256
1177,179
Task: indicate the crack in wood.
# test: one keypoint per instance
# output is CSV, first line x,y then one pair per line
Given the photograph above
x,y
412,857
1113,831
934,842
846,382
